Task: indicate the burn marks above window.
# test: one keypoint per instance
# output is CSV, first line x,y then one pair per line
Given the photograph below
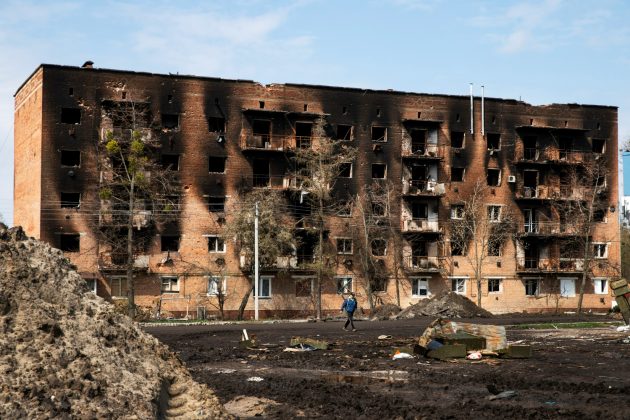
x,y
70,200
71,158
494,141
379,133
457,139
169,243
170,121
344,132
70,242
216,124
70,115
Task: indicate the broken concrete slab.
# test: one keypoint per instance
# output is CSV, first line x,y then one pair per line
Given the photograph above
x,y
318,344
519,351
494,335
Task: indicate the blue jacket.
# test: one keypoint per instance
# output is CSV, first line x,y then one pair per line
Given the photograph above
x,y
349,304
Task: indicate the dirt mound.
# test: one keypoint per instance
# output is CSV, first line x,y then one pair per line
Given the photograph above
x,y
66,353
446,305
383,312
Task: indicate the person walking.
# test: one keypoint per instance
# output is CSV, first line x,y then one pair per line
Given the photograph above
x,y
349,305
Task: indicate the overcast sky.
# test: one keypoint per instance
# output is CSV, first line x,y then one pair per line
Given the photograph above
x,y
541,51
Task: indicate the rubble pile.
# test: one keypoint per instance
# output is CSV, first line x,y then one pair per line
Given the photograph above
x,y
66,353
446,305
384,312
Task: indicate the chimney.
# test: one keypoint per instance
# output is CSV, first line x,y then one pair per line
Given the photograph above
x,y
88,65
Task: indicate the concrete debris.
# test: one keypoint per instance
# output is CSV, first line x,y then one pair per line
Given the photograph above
x,y
475,355
65,353
400,355
385,312
623,328
249,407
445,305
255,379
317,344
384,337
494,336
503,395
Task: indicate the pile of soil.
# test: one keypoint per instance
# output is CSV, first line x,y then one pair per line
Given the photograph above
x,y
66,353
445,305
384,312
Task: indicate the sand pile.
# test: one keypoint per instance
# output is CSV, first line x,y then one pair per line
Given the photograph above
x,y
65,352
446,305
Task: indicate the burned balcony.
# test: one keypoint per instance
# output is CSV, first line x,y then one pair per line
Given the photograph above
x,y
419,263
416,187
273,182
420,216
421,226
547,265
547,228
420,140
547,192
420,179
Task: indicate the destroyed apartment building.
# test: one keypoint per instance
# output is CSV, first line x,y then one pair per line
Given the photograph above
x,y
538,185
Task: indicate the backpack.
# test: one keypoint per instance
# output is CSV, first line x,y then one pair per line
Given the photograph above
x,y
351,305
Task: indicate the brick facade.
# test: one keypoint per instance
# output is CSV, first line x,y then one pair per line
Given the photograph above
x,y
425,167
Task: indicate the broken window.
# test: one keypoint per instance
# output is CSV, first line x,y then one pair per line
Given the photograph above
x,y
379,133
457,211
458,285
532,287
216,124
216,204
379,247
70,158
345,209
419,287
419,210
216,164
457,174
216,244
457,247
70,200
493,141
264,286
599,145
129,115
71,115
216,286
170,284
303,133
494,213
378,209
118,286
418,141
379,283
169,243
494,285
344,246
457,139
565,146
344,132
600,286
92,285
303,287
344,285
379,171
345,170
261,130
170,162
494,248
599,216
261,172
70,242
530,148
493,177
600,250
170,121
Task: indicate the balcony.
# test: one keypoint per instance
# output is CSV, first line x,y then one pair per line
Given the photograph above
x,y
547,229
420,188
421,225
548,192
267,142
557,265
272,182
552,155
288,262
423,151
421,263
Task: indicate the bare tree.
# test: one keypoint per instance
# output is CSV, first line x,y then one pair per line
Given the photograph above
x,y
136,192
480,230
316,172
275,233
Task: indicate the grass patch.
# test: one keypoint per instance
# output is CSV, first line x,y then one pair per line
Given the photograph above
x,y
176,321
565,325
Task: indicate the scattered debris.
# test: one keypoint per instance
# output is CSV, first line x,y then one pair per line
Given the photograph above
x,y
401,355
318,344
248,407
385,312
384,337
247,341
226,371
503,395
494,336
475,355
623,328
255,379
447,305
300,348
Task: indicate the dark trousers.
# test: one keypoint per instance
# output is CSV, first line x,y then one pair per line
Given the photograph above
x,y
349,320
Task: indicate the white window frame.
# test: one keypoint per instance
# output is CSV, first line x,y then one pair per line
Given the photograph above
x,y
351,171
261,280
416,287
343,287
597,280
170,288
459,290
455,214
530,279
562,294
500,280
494,217
120,280
598,255
215,289
219,238
344,251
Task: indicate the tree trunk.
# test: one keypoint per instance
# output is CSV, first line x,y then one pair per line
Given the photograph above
x,y
241,308
131,301
320,264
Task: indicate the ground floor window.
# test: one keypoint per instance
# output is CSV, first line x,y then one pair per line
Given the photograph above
x,y
91,283
303,287
600,286
216,286
494,285
458,285
170,284
344,285
532,287
420,287
264,286
567,287
118,286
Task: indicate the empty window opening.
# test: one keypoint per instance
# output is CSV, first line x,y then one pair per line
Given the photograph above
x,y
70,242
565,145
216,204
494,248
169,243
531,121
532,287
457,139
419,287
345,209
216,124
419,173
303,133
494,213
494,285
599,145
261,130
494,141
419,254
124,95
261,171
458,285
457,247
494,119
344,246
70,158
216,164
419,211
170,162
379,247
71,91
599,126
303,287
530,183
566,123
379,171
345,170
378,209
532,255
216,244
305,107
457,174
457,211
169,98
418,141
378,112
530,148
170,284
261,104
70,200
493,177
379,133
71,115
344,285
344,110
344,132
457,118
599,215
379,283
170,121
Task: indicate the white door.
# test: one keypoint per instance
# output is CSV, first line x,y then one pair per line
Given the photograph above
x,y
567,287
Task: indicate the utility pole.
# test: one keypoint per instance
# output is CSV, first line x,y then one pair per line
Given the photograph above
x,y
256,263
